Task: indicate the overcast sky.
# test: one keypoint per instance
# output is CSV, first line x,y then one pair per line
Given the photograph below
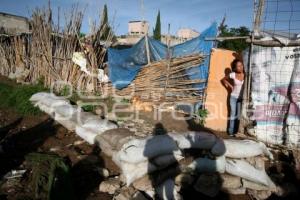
x,y
196,14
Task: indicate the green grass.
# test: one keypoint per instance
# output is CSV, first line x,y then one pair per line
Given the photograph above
x,y
17,98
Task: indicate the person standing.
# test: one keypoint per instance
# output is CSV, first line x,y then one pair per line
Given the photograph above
x,y
234,83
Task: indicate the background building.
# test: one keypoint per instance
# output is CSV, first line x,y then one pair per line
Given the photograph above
x,y
13,24
139,28
186,34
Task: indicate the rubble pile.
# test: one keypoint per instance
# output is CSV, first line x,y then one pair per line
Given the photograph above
x,y
165,164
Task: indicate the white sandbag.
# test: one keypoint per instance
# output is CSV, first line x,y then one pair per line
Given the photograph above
x,y
198,140
168,190
68,122
165,160
244,170
219,148
132,172
67,110
139,150
86,134
242,149
53,102
44,108
39,96
83,117
203,165
99,125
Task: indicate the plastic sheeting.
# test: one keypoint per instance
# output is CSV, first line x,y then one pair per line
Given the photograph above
x,y
125,64
275,95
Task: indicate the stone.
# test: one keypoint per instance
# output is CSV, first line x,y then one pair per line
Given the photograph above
x,y
138,196
103,172
259,195
253,186
125,193
234,191
143,184
110,186
229,181
184,180
208,184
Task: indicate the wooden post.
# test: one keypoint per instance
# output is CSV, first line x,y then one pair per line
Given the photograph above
x,y
169,57
147,49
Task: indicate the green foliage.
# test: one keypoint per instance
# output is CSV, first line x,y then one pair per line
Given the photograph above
x,y
201,116
157,30
104,26
81,35
88,108
17,97
235,45
125,100
65,91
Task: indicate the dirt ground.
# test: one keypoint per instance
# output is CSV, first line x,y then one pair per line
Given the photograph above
x,y
23,135
20,136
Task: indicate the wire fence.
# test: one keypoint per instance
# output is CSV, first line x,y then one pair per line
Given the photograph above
x,y
281,16
275,74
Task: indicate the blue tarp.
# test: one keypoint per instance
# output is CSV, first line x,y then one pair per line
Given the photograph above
x,y
125,64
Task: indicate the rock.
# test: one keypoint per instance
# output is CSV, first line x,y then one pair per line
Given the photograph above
x,y
235,191
184,180
296,155
143,184
254,186
231,182
140,121
168,190
259,195
103,172
55,149
110,186
125,193
78,142
287,189
138,196
208,184
133,129
99,111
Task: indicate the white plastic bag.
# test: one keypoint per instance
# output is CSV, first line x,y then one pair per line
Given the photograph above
x,y
244,170
203,165
86,134
198,140
98,126
139,150
242,149
68,122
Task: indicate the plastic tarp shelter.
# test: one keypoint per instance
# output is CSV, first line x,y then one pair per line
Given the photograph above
x,y
126,63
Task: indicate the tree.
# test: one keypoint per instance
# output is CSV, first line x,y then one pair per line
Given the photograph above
x,y
157,30
104,26
235,45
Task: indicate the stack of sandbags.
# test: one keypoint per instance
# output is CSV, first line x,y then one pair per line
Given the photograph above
x,y
85,124
237,161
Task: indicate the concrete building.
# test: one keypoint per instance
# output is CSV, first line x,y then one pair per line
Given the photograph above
x,y
13,24
171,40
138,28
186,34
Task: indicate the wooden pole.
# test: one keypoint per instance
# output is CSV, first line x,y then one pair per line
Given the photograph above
x,y
169,57
147,49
